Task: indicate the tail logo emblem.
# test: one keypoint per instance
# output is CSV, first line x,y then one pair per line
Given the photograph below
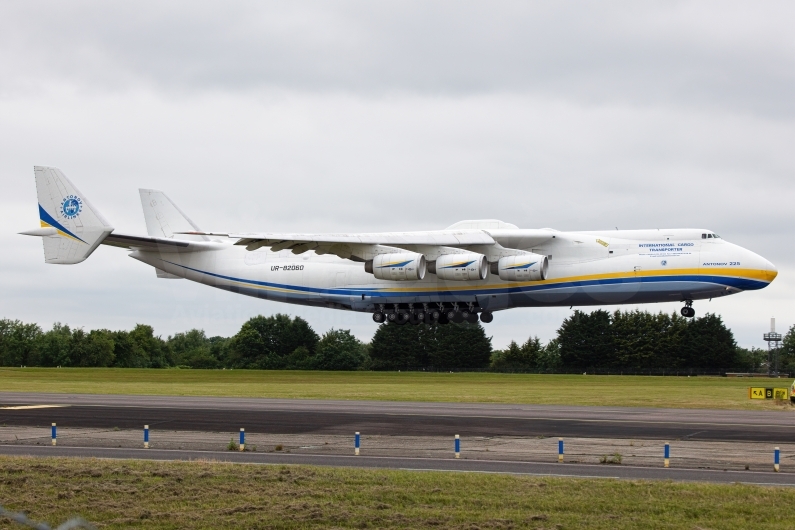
x,y
71,206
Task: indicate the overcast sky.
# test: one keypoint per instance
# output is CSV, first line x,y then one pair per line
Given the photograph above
x,y
369,116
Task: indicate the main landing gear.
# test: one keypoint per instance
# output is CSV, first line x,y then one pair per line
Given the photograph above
x,y
444,314
688,310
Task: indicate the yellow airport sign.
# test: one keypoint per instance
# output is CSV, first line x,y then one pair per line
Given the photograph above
x,y
768,393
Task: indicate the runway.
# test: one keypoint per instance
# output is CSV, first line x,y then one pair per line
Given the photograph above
x,y
281,416
419,464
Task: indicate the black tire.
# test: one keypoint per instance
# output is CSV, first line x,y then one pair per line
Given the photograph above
x,y
391,317
486,317
443,319
414,319
433,316
379,317
450,315
685,312
458,317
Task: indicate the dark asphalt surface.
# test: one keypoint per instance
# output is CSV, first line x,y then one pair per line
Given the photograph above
x,y
418,464
282,416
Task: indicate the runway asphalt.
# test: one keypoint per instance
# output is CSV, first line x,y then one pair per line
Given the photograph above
x,y
282,416
419,464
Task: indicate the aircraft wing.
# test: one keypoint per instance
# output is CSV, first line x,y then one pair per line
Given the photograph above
x,y
447,238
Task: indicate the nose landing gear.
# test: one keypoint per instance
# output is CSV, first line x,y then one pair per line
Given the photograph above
x,y
688,310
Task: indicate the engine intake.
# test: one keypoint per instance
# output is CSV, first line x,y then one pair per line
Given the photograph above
x,y
404,266
527,267
460,267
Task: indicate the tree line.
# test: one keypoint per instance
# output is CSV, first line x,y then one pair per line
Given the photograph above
x,y
596,342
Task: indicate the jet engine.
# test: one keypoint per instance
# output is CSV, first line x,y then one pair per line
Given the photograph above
x,y
527,267
397,267
460,267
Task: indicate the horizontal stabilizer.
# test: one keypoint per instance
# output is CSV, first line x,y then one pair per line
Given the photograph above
x,y
159,244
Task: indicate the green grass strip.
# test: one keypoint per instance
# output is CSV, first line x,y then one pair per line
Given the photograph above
x,y
627,391
145,494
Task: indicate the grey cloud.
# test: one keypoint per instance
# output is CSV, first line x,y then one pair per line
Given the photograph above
x,y
736,56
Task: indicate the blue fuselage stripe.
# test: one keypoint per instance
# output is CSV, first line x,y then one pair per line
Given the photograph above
x,y
744,284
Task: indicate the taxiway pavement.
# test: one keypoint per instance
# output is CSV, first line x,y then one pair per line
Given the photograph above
x,y
298,416
418,464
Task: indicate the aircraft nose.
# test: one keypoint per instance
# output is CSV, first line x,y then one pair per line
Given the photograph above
x,y
767,269
770,269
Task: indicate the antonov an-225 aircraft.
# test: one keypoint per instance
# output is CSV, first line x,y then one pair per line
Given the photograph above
x,y
462,273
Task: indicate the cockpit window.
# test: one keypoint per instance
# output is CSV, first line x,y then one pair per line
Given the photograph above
x,y
716,236
703,236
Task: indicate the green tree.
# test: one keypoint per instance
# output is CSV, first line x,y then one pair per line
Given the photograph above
x,y
19,343
646,341
55,346
586,341
404,347
549,361
193,349
127,353
752,359
786,354
267,342
153,349
439,347
95,348
526,358
461,347
338,349
709,346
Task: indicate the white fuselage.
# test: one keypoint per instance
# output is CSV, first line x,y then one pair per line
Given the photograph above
x,y
585,268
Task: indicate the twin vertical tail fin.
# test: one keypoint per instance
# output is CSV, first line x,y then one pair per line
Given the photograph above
x,y
71,228
164,218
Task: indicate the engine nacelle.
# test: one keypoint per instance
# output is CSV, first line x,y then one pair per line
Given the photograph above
x,y
460,267
397,267
524,268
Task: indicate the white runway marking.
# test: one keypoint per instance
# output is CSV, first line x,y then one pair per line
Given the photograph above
x,y
26,407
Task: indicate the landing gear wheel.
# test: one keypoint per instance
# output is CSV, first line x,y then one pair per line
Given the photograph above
x,y
433,316
486,317
402,318
688,312
458,317
443,319
472,318
416,318
378,317
391,317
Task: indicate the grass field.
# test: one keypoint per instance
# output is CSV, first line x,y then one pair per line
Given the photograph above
x,y
633,391
131,494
